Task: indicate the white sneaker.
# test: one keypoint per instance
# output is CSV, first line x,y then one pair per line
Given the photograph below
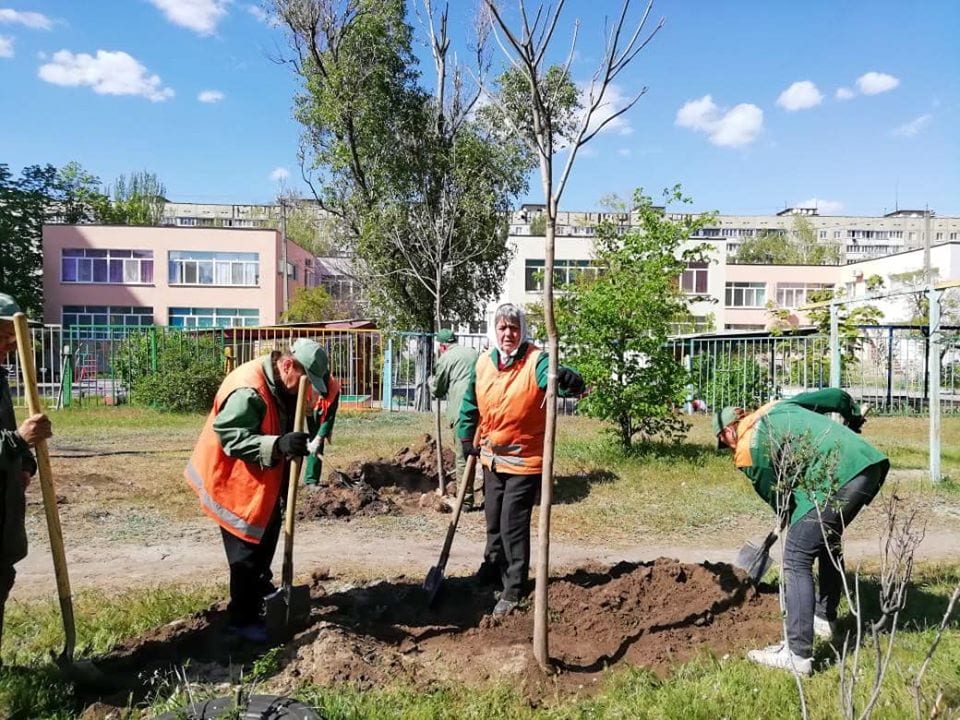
x,y
780,656
823,628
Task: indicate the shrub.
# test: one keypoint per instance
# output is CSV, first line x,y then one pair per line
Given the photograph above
x,y
171,370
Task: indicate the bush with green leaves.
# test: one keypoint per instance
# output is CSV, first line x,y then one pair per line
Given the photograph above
x,y
171,370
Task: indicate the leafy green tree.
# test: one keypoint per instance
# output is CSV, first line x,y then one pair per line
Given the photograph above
x,y
420,186
538,225
81,198
135,200
799,246
614,327
25,204
310,305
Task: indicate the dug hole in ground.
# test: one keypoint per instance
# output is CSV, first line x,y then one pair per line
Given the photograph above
x,y
650,614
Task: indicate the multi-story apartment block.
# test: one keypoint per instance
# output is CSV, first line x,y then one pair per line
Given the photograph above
x,y
183,277
857,237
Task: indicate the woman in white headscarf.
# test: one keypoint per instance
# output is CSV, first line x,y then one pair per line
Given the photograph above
x,y
505,400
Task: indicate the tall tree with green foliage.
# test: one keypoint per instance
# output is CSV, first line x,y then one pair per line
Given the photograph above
x,y
137,199
420,187
614,327
25,203
798,246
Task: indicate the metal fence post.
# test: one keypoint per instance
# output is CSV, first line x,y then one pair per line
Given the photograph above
x,y
933,363
386,400
834,345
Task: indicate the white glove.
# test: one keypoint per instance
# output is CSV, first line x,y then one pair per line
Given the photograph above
x,y
313,447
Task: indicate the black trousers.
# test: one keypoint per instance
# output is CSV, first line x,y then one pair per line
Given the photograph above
x,y
508,504
817,536
250,570
7,575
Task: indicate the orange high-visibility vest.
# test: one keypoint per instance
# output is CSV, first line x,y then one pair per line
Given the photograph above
x,y
513,417
742,456
239,495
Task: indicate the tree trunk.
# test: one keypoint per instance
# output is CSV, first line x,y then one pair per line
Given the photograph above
x,y
541,646
422,372
438,423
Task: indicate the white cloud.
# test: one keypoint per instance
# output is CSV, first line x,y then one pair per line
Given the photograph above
x,y
279,174
109,73
800,96
6,46
874,83
210,96
613,100
739,126
824,207
844,93
35,20
258,12
914,127
201,16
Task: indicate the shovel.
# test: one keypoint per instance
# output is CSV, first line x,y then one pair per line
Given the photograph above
x,y
755,561
289,607
83,673
434,577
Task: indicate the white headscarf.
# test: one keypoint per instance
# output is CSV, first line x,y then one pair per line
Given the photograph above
x,y
508,309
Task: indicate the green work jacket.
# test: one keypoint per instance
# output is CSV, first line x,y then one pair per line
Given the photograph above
x,y
792,441
451,376
15,457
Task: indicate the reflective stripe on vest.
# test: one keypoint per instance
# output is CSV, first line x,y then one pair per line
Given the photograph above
x,y
240,496
512,414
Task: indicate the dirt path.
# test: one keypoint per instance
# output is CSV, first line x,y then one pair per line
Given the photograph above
x,y
192,553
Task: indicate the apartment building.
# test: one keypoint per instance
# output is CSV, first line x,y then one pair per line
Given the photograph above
x,y
857,237
183,277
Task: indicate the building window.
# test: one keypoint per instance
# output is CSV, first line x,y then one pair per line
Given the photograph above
x,y
746,294
953,236
939,236
693,281
107,267
792,295
214,268
183,317
101,321
564,273
340,287
823,234
291,271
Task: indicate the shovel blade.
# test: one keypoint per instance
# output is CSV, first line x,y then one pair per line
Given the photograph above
x,y
753,560
432,584
286,612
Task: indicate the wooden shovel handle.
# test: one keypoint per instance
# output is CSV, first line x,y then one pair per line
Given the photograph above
x,y
25,351
295,466
468,472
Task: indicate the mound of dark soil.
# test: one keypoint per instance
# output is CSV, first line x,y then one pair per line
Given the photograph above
x,y
386,486
651,614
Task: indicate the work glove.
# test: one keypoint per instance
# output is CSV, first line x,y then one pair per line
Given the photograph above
x,y
293,444
469,449
570,381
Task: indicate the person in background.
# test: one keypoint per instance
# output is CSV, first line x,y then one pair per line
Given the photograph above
x,y
320,422
239,470
834,473
17,464
452,374
506,400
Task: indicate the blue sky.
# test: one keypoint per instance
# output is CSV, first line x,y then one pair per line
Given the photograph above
x,y
742,107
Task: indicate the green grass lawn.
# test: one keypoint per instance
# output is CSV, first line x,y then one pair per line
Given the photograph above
x,y
685,494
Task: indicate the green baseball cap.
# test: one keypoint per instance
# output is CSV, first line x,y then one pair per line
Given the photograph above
x,y
722,418
446,336
9,308
314,360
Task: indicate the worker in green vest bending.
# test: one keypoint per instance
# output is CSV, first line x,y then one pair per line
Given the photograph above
x,y
817,475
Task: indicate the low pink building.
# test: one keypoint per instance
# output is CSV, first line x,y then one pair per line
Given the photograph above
x,y
182,277
750,291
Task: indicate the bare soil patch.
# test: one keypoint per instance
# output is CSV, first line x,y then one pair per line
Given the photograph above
x,y
403,484
651,614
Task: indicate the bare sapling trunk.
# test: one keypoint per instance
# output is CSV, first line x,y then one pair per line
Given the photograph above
x,y
438,420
